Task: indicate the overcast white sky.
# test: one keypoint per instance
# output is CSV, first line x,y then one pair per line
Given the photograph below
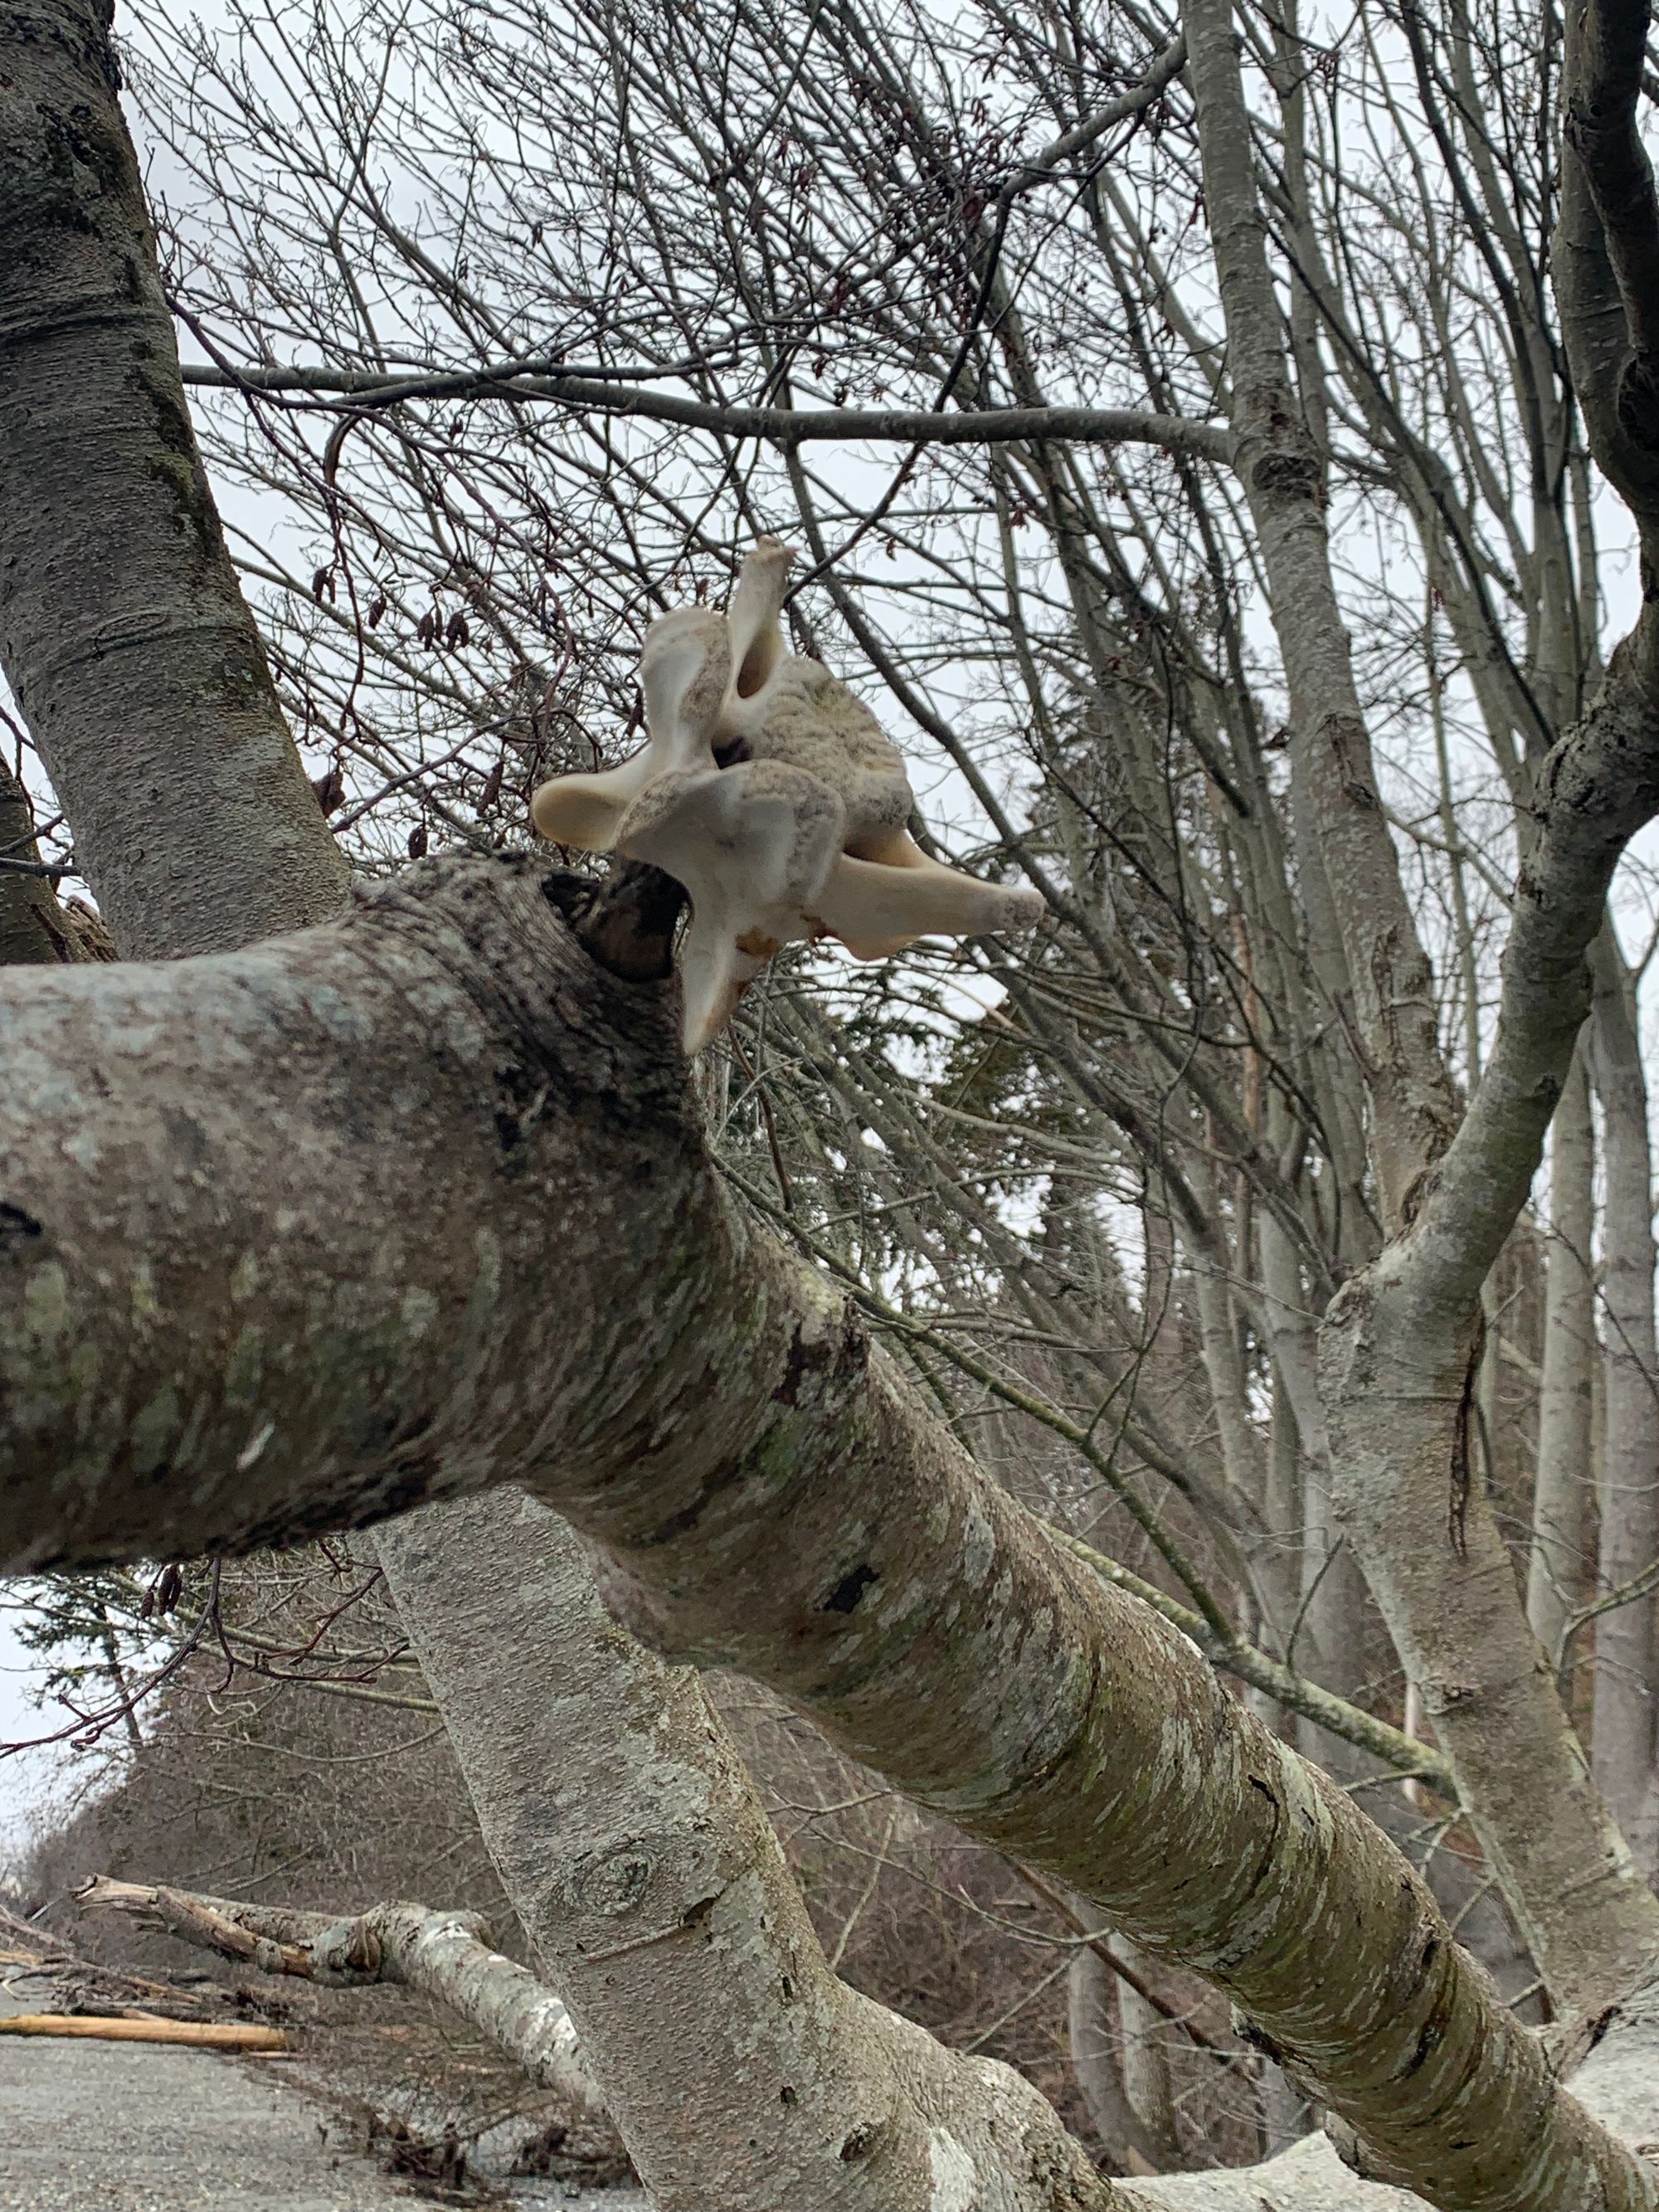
x,y
25,1778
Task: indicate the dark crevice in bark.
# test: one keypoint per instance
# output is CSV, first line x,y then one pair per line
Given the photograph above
x,y
626,921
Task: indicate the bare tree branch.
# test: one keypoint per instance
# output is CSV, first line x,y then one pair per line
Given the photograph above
x,y
785,427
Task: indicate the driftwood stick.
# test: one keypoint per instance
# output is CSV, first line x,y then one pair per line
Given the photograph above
x,y
212,2034
197,1920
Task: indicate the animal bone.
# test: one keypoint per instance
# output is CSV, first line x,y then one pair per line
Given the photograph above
x,y
768,791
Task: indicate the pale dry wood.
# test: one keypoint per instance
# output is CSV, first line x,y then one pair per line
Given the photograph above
x,y
442,1954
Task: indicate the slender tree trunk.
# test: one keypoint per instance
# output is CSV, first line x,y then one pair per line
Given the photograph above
x,y
1145,2063
133,635
1096,2035
1565,1484
1627,1679
1242,1453
1282,1515
1330,1595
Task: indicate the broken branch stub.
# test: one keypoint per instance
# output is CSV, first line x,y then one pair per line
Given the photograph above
x,y
769,792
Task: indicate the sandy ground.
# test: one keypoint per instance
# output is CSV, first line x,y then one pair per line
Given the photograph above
x,y
87,2126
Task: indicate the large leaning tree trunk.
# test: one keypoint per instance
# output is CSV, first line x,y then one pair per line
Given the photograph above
x,y
416,1203
358,1190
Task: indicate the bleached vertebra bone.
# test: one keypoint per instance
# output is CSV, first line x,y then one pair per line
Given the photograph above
x,y
769,790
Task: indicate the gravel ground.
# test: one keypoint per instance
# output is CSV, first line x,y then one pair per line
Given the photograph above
x,y
108,2127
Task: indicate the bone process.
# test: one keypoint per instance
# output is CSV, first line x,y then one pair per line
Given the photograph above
x,y
769,792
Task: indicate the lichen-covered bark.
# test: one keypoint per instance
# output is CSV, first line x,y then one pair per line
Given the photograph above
x,y
456,1163
913,1610
742,2073
1617,2085
121,623
1605,251
264,1321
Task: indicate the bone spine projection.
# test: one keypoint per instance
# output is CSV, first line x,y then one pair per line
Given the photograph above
x,y
769,792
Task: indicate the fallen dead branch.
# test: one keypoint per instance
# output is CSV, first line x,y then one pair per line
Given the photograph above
x,y
442,1955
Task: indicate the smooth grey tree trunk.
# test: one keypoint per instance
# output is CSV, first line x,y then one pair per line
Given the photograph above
x,y
126,639
1565,1486
1330,1593
1146,2063
1627,1656
1096,2029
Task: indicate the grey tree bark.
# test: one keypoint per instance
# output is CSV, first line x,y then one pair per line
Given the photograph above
x,y
1616,2083
1095,2036
1330,1597
1565,1474
1146,2065
625,1828
1626,1654
33,926
129,637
